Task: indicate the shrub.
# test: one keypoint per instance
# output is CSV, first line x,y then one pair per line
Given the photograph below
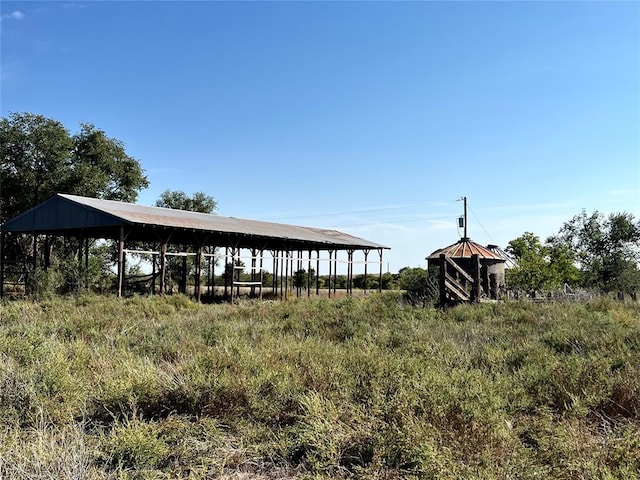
x,y
135,445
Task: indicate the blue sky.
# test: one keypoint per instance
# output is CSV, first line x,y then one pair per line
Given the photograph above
x,y
373,118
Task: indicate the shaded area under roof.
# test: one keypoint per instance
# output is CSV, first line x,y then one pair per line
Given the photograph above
x,y
64,214
465,248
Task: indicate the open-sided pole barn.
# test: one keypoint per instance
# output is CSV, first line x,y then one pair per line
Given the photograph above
x,y
83,218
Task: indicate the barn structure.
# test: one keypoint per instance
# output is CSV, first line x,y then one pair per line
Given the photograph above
x,y
288,247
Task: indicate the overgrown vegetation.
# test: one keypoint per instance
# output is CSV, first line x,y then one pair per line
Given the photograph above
x,y
94,387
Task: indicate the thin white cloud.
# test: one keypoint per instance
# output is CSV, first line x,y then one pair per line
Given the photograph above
x,y
372,227
376,210
15,15
20,15
441,225
534,206
624,193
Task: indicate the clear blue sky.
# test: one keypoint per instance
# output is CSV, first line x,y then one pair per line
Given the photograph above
x,y
369,117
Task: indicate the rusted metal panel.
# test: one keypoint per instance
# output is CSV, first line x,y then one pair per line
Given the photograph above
x,y
465,248
139,214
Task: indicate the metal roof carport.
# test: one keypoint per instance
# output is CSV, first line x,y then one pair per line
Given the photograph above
x,y
83,217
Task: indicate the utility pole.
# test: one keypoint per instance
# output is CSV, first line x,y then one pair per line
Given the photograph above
x,y
464,199
462,221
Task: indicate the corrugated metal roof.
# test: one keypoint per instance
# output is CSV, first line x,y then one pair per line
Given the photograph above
x,y
465,248
141,215
509,261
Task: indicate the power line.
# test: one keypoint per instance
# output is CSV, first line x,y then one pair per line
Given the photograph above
x,y
396,222
481,225
367,210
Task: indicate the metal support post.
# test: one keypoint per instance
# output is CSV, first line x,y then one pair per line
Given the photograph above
x,y
366,264
309,274
329,278
163,268
286,291
349,272
380,278
153,274
261,273
335,273
196,292
318,272
86,263
121,255
2,262
226,269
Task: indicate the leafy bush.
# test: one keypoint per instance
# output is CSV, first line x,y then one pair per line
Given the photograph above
x,y
419,286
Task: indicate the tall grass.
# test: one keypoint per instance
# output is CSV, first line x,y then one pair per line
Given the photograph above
x,y
97,387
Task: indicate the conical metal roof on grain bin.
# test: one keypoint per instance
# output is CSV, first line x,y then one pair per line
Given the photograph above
x,y
465,248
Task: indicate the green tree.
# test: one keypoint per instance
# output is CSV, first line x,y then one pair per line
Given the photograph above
x,y
418,287
607,249
198,202
41,158
531,272
371,283
102,168
35,154
562,263
267,278
389,281
541,267
300,278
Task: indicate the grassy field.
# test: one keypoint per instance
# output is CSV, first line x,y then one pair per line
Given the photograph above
x,y
96,387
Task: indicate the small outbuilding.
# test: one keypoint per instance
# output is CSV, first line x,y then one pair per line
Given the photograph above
x,y
468,271
476,261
